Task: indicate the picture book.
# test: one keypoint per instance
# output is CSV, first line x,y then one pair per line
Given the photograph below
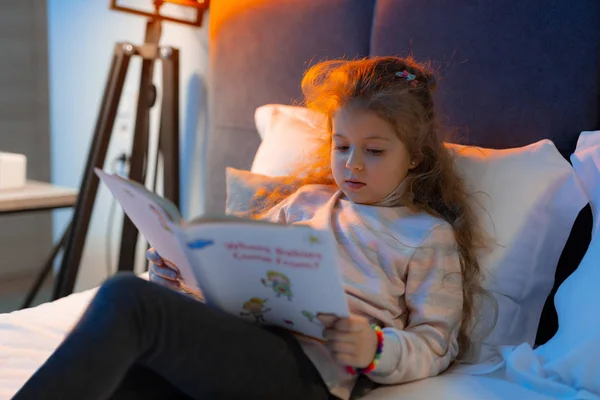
x,y
267,273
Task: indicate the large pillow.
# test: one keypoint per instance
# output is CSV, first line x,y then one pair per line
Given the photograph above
x,y
573,354
289,134
528,200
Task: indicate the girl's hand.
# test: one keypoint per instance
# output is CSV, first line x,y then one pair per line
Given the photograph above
x,y
352,341
162,272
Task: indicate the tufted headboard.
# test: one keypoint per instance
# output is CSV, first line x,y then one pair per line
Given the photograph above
x,y
510,73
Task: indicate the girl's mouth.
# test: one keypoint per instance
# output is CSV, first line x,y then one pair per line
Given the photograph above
x,y
354,185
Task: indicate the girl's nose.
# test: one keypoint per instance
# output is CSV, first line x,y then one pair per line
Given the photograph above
x,y
355,161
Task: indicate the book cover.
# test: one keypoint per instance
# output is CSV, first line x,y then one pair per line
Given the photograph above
x,y
266,273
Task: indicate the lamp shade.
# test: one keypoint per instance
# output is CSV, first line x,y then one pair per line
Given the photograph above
x,y
154,9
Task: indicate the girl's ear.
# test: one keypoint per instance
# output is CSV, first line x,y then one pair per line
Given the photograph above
x,y
414,163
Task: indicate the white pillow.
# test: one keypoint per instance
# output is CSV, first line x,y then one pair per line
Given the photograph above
x,y
573,354
289,134
529,200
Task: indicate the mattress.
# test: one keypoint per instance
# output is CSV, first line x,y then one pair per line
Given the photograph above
x,y
28,337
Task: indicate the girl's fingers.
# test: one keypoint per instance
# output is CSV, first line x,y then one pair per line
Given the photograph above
x,y
164,272
153,256
156,260
163,282
339,336
344,358
328,320
342,348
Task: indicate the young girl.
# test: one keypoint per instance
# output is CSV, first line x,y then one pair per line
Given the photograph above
x,y
385,184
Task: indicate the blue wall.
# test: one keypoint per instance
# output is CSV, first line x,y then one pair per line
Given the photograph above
x,y
82,34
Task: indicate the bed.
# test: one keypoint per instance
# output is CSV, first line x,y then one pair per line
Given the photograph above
x,y
511,73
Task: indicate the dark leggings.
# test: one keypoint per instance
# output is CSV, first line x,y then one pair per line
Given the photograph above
x,y
138,340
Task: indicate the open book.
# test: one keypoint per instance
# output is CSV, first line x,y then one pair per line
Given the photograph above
x,y
268,273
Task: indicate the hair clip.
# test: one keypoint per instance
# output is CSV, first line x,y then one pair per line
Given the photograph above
x,y
406,75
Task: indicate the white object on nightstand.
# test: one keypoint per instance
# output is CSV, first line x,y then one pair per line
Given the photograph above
x,y
13,170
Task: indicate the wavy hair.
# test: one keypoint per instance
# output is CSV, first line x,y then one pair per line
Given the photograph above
x,y
380,85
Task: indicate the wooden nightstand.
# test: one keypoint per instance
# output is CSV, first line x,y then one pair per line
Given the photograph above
x,y
38,196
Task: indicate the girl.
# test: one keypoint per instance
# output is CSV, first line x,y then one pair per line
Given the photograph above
x,y
385,184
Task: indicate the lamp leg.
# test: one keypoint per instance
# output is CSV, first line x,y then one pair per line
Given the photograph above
x,y
169,125
44,272
75,243
139,153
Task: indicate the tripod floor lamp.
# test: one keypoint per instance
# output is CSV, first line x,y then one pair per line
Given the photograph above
x,y
74,237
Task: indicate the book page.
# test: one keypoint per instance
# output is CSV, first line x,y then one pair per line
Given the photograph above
x,y
268,273
154,224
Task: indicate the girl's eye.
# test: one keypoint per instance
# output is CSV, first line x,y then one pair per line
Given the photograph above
x,y
376,152
341,148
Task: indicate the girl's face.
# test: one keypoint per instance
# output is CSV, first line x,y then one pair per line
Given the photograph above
x,y
368,160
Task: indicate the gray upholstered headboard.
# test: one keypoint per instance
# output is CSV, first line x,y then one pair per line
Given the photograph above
x,y
511,72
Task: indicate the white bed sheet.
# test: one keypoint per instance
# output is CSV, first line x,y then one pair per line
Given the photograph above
x,y
28,337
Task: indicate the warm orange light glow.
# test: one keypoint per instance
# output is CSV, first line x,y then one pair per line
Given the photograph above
x,y
224,12
479,153
201,4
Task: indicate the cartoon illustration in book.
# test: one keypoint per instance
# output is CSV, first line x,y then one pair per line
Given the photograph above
x,y
255,307
279,283
200,244
312,317
312,239
162,219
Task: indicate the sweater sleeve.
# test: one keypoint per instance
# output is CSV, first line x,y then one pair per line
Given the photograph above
x,y
300,206
278,213
434,301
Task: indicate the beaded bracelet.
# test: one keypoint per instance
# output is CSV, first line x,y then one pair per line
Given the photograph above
x,y
373,365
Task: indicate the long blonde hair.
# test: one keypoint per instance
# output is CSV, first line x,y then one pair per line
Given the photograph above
x,y
398,90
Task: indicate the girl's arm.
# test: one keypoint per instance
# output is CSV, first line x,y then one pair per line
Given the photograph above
x,y
434,301
300,206
278,213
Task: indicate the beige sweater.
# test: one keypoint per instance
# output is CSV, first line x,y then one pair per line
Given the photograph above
x,y
401,270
